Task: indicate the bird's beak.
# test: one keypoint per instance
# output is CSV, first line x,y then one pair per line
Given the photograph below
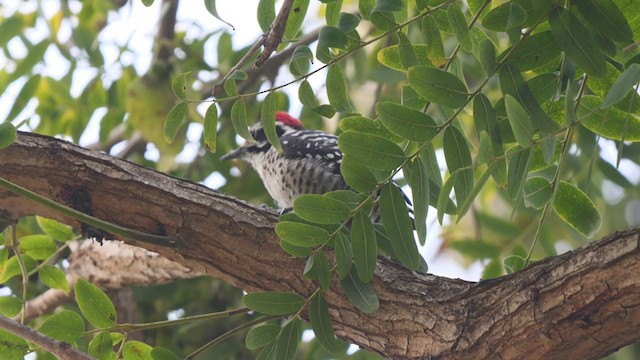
x,y
235,154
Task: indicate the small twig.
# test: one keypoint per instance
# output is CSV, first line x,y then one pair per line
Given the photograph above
x,y
23,268
58,348
217,89
273,37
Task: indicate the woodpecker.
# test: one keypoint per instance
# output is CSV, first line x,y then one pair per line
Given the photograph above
x,y
308,164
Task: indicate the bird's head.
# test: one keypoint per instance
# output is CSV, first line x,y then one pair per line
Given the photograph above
x,y
285,123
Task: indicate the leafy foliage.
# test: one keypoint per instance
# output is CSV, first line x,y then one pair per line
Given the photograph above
x,y
530,94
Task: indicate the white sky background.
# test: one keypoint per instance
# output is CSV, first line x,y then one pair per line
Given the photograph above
x,y
137,25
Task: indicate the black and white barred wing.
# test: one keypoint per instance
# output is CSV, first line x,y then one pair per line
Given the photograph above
x,y
313,145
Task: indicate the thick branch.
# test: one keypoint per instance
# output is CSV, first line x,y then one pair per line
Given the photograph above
x,y
577,305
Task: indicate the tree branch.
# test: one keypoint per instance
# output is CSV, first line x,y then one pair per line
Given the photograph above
x,y
576,304
60,349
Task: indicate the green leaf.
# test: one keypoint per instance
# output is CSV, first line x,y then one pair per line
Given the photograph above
x,y
613,174
10,27
322,270
406,122
301,60
505,17
268,352
306,95
94,304
459,26
607,19
286,344
65,326
320,209
268,118
361,295
174,121
10,306
296,17
388,5
348,22
518,167
485,149
477,187
260,336
435,48
365,8
297,251
344,255
101,347
365,125
610,123
24,96
330,37
576,209
147,3
520,121
39,247
406,52
533,52
12,347
371,150
443,195
12,267
625,83
321,325
8,134
266,14
420,190
136,350
301,234
179,86
574,39
513,264
211,127
512,83
211,8
273,303
332,13
487,56
365,248
396,221
325,110
357,176
337,89
476,249
438,86
458,157
239,120
160,353
54,278
492,270
56,230
537,192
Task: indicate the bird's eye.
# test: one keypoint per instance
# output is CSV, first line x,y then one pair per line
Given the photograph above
x,y
259,135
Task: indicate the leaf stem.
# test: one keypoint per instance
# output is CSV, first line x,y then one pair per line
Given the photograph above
x,y
129,328
168,241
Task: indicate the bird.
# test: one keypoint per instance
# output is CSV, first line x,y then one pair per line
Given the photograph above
x,y
309,162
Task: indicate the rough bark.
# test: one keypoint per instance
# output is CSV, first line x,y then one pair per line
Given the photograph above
x,y
581,305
